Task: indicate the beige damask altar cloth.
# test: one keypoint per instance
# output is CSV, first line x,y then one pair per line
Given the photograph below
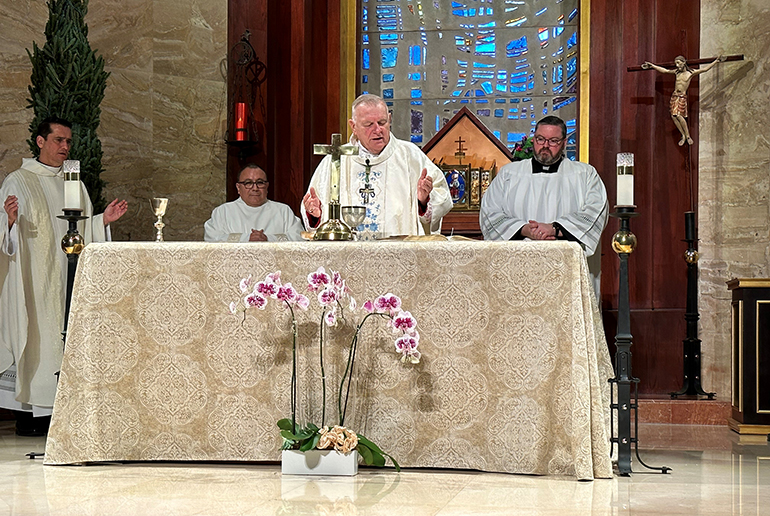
x,y
513,376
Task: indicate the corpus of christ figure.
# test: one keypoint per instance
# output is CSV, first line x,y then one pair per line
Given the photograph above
x,y
678,106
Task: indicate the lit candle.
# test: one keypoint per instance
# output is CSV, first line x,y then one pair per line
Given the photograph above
x,y
71,169
625,194
240,121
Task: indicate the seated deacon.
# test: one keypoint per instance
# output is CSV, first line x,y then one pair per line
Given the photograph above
x,y
33,275
252,217
403,191
547,197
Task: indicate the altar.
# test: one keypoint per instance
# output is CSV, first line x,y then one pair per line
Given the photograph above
x,y
513,375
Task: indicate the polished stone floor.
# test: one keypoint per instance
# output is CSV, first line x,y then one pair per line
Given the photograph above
x,y
715,471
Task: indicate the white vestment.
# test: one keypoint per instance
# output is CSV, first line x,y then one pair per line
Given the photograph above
x,y
573,196
233,222
393,209
33,278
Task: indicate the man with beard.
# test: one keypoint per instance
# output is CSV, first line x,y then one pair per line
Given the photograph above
x,y
548,197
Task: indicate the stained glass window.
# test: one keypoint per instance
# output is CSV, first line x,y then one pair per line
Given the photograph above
x,y
510,61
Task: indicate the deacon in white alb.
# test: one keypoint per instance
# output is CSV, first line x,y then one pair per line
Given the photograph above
x,y
252,217
33,274
548,197
403,191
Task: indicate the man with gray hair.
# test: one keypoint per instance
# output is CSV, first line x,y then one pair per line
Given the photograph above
x,y
403,191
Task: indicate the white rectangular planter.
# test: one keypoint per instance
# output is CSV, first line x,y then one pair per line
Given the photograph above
x,y
319,462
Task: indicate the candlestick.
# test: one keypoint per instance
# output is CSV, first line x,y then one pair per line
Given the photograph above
x,y
689,225
240,121
625,193
71,169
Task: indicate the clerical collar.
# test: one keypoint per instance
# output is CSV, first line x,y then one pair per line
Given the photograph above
x,y
539,168
55,170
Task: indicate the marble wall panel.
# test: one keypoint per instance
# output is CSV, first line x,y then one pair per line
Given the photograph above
x,y
734,176
122,32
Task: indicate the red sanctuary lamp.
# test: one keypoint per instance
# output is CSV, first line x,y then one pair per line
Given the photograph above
x,y
241,132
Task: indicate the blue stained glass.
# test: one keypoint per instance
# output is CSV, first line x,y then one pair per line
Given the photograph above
x,y
438,123
571,66
531,85
542,34
467,94
365,79
527,99
517,22
485,49
388,39
388,77
482,65
365,59
416,138
417,122
558,89
366,39
516,137
416,102
457,4
560,102
517,47
572,41
489,25
415,76
415,55
499,113
499,101
387,93
558,74
464,101
416,93
557,31
571,123
515,101
482,112
497,134
480,93
572,15
541,11
545,76
490,12
487,87
519,77
389,57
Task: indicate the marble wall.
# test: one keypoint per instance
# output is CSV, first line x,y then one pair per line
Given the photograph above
x,y
164,109
734,193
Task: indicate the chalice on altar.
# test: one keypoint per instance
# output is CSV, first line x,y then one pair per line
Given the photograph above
x,y
159,205
353,216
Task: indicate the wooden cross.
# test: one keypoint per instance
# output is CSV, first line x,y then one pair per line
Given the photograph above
x,y
460,154
335,149
367,191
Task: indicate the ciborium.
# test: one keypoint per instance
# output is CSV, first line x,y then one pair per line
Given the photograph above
x,y
353,216
159,205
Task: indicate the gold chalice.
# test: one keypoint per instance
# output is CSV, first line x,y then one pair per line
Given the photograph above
x,y
159,205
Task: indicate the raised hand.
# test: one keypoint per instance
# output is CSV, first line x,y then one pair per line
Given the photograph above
x,y
114,211
424,186
312,203
11,207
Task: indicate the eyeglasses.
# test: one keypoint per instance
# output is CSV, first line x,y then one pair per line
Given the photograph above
x,y
552,142
251,184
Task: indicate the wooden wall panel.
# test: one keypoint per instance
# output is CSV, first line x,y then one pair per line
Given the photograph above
x,y
630,113
300,43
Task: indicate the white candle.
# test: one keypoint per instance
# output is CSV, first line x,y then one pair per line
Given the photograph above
x,y
625,194
71,169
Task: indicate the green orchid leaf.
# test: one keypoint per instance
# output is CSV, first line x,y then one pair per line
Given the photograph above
x,y
366,454
369,444
307,445
285,424
289,436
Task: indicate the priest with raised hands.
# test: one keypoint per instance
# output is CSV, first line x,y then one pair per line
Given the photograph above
x,y
403,191
252,217
548,197
33,275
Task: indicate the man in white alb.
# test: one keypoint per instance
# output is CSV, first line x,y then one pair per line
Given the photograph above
x,y
548,197
252,217
33,275
403,191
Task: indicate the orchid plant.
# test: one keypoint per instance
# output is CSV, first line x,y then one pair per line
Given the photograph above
x,y
333,296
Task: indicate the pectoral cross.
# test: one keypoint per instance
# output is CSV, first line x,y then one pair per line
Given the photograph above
x,y
336,149
367,191
460,154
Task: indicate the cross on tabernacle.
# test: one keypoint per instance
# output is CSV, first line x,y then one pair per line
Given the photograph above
x,y
460,154
335,149
367,191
